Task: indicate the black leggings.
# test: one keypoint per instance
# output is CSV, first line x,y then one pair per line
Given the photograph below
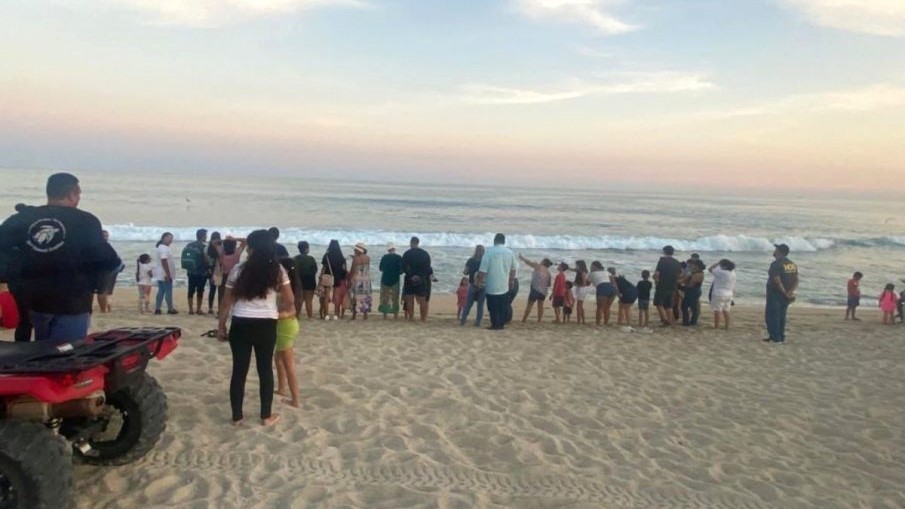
x,y
245,335
23,330
212,296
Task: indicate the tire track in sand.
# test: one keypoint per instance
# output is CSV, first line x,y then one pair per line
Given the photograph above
x,y
457,479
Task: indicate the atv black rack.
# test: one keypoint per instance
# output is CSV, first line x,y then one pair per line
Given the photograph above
x,y
95,350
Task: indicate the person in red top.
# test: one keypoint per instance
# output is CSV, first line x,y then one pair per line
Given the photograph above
x,y
559,290
9,312
854,296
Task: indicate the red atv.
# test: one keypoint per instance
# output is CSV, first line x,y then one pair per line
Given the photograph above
x,y
89,399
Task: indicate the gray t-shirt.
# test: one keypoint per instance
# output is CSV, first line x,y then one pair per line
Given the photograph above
x,y
540,281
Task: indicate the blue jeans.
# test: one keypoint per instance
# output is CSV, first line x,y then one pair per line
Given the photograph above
x,y
50,327
164,291
775,316
475,295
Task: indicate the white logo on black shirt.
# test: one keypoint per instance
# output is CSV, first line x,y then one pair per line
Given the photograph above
x,y
46,235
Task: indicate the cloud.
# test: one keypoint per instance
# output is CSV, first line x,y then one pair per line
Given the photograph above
x,y
215,13
875,17
854,100
596,13
629,83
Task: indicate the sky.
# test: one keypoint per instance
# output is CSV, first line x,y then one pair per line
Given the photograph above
x,y
804,94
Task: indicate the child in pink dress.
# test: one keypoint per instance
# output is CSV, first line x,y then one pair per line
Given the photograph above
x,y
888,303
461,295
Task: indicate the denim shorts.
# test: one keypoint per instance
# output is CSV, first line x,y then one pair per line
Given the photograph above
x,y
606,290
644,305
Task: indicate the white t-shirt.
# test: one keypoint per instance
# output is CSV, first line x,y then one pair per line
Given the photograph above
x,y
163,253
256,308
723,282
600,276
144,274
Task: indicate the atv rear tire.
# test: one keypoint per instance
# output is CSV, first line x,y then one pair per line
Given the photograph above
x,y
35,467
142,410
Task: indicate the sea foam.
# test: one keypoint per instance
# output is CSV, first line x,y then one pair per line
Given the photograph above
x,y
713,243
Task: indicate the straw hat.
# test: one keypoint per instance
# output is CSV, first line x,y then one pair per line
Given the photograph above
x,y
391,246
361,247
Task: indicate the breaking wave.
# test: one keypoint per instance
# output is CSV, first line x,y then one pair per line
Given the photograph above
x,y
718,243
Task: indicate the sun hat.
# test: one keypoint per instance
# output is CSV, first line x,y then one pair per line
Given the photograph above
x,y
391,246
361,247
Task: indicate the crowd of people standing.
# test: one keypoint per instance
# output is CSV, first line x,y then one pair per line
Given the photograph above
x,y
674,288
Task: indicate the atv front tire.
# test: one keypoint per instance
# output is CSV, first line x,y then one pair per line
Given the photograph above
x,y
35,467
137,416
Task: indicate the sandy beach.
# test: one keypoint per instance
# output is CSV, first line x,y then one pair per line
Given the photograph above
x,y
399,415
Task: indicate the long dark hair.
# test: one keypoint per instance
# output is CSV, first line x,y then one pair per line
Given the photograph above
x,y
260,273
144,258
229,246
478,252
159,242
211,248
337,263
581,271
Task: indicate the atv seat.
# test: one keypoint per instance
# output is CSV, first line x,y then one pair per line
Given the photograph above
x,y
95,350
12,353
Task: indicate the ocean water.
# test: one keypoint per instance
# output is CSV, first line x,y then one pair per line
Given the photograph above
x,y
830,237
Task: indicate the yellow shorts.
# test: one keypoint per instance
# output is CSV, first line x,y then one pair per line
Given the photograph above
x,y
287,331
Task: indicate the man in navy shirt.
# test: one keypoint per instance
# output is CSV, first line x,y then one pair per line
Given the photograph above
x,y
62,254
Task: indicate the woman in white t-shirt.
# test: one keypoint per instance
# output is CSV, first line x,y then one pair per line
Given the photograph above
x,y
723,291
252,288
164,273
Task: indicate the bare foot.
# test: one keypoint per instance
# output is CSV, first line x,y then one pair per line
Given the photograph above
x,y
237,423
270,421
293,404
281,392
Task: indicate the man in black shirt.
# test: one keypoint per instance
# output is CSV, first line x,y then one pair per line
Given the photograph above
x,y
667,278
781,285
62,254
416,264
279,249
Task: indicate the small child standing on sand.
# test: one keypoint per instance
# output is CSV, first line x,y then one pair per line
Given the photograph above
x,y
644,287
889,301
461,296
854,296
568,303
559,290
144,277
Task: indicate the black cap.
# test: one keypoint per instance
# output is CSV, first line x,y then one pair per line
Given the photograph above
x,y
782,248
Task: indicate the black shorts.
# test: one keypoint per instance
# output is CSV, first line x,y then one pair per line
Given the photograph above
x,y
567,310
197,282
107,282
309,282
664,297
558,302
417,289
535,296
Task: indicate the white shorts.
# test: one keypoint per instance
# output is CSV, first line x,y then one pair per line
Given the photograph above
x,y
721,303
